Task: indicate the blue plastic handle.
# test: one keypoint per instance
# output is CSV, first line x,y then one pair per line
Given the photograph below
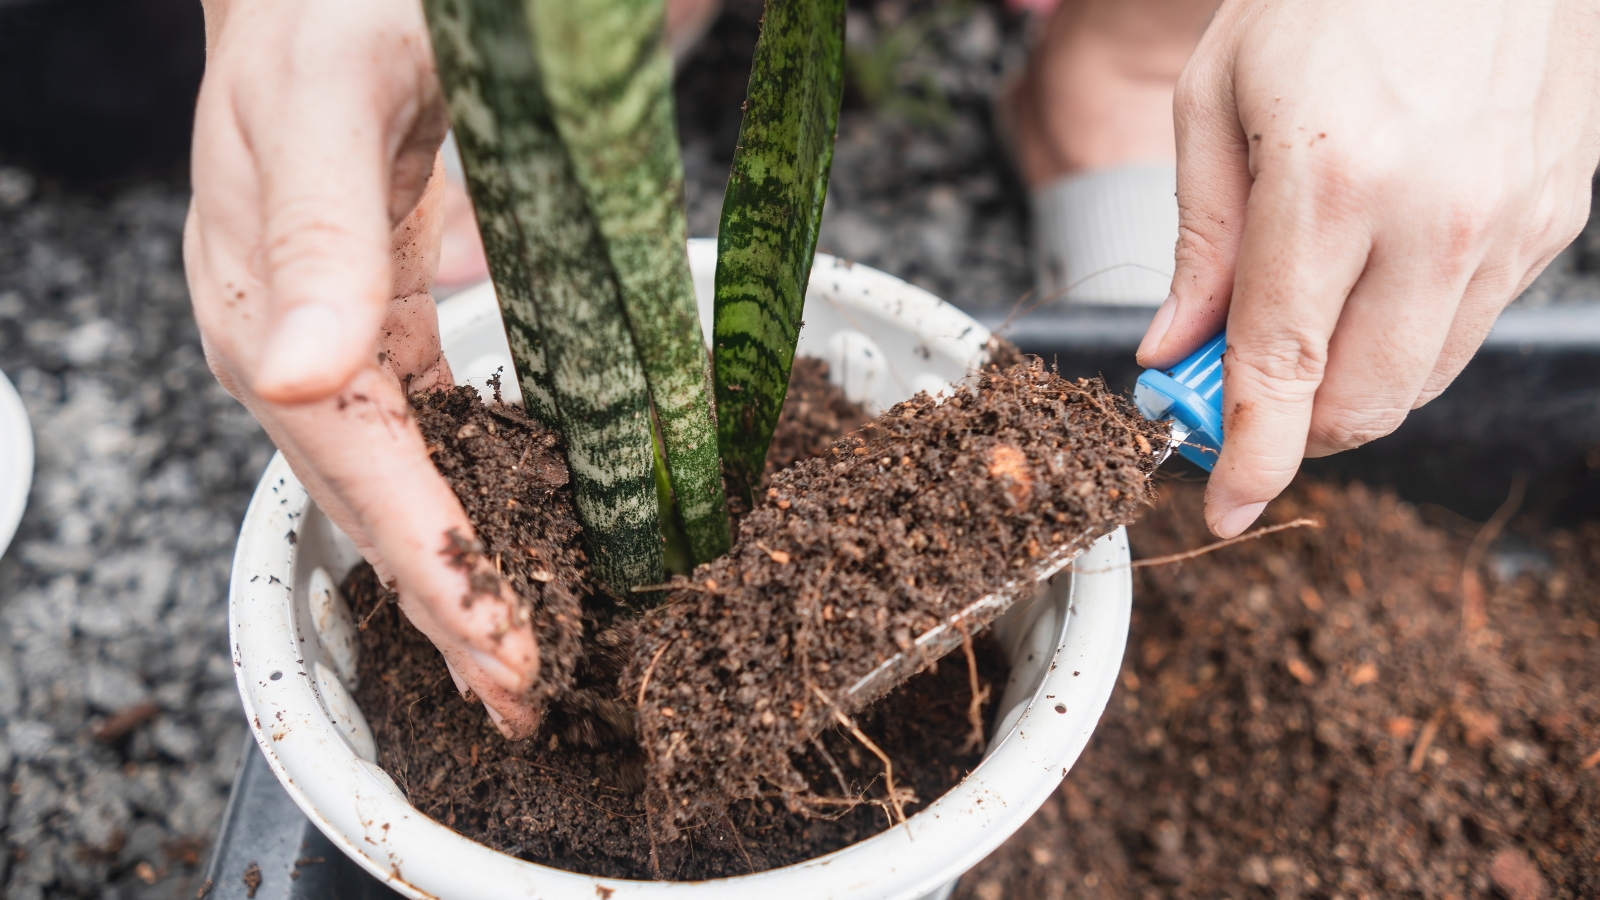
x,y
1189,395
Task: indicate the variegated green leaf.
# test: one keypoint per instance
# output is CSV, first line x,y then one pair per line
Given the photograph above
x,y
770,217
558,292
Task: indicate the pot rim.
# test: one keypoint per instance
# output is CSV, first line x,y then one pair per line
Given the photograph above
x,y
16,461
286,692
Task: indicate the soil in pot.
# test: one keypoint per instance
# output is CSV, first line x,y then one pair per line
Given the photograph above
x,y
567,803
1030,458
1306,716
848,558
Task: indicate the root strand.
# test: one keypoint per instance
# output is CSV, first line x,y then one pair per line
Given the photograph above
x,y
888,767
976,742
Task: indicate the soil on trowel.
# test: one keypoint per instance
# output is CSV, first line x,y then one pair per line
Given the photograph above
x,y
848,558
570,797
1321,714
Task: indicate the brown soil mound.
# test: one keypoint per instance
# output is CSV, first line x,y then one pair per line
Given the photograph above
x,y
849,557
1305,716
815,414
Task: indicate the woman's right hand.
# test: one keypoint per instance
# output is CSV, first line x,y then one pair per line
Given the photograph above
x,y
1362,187
311,247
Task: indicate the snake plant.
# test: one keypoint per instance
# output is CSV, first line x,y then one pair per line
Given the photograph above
x,y
563,113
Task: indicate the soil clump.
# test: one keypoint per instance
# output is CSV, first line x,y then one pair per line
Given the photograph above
x,y
848,558
1309,715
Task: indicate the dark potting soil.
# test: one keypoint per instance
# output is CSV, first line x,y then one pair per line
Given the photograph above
x,y
1307,716
848,558
815,414
570,797
569,801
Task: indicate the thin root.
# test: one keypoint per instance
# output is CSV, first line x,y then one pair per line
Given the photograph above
x,y
1474,614
650,830
888,767
648,671
1171,558
1419,753
738,843
976,741
383,600
677,584
822,751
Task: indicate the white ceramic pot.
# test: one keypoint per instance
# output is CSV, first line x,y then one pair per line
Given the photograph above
x,y
294,648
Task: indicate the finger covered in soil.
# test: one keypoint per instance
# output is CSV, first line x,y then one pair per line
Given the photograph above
x,y
850,557
1306,716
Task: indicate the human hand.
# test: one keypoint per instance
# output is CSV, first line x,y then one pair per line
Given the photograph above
x,y
1362,187
311,245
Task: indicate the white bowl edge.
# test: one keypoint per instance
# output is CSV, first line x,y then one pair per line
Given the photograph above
x,y
16,461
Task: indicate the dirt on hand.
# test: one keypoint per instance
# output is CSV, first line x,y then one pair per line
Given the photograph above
x,y
848,558
1307,716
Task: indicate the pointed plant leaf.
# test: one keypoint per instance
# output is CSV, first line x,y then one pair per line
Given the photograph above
x,y
558,291
770,217
608,75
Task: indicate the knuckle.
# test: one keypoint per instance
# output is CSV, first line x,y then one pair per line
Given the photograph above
x,y
1288,364
1341,181
299,232
1469,221
1198,239
1188,103
1345,428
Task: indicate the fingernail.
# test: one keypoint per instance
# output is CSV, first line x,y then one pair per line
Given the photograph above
x,y
302,352
1158,328
503,675
461,685
1235,521
494,717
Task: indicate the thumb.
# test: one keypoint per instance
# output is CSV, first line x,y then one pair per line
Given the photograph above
x,y
1213,189
325,245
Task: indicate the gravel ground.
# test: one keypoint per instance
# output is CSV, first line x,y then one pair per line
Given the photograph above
x,y
112,599
112,614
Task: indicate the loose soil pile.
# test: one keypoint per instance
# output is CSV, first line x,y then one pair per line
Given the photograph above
x,y
848,558
1305,716
572,796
